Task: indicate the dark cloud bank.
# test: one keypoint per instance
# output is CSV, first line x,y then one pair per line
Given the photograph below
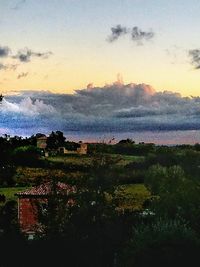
x,y
115,108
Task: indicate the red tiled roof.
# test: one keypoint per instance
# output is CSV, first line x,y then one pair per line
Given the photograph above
x,y
47,189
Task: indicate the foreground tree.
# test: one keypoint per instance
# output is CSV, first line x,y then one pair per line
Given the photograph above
x,y
162,243
176,195
87,223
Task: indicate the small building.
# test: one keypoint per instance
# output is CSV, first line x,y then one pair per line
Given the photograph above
x,y
80,150
77,148
30,200
42,142
62,150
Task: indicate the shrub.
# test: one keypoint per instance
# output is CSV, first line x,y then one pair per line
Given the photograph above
x,y
26,156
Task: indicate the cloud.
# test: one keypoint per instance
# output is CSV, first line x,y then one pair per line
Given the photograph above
x,y
90,85
137,35
4,51
113,108
27,107
194,55
117,31
3,66
25,55
18,5
8,66
22,75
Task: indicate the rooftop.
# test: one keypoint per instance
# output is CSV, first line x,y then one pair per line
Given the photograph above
x,y
48,189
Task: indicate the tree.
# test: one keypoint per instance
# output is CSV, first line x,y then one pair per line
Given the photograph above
x,y
161,243
55,140
8,217
94,216
26,155
126,141
7,168
176,194
88,226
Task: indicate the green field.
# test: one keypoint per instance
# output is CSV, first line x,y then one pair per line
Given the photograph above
x,y
129,197
132,196
87,160
10,192
71,159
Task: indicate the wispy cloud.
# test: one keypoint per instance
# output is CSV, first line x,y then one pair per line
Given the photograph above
x,y
117,31
3,67
194,55
25,55
8,66
22,75
137,35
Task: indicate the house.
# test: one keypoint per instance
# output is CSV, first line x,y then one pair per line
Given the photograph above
x,y
64,151
81,149
30,200
42,142
77,148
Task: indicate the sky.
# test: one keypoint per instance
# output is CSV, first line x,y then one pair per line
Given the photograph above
x,y
112,66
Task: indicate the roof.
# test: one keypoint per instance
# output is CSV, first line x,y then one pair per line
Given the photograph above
x,y
47,189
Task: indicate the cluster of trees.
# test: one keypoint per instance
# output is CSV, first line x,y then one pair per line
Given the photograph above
x,y
18,151
123,147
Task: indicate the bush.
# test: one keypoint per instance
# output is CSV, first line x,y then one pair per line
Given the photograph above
x,y
162,243
26,156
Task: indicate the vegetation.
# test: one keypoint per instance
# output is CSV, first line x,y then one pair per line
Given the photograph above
x,y
9,192
134,204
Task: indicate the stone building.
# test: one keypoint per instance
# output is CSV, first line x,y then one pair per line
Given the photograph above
x,y
42,142
80,150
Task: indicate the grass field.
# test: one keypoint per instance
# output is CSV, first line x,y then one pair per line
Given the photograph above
x,y
71,159
10,192
87,160
132,196
129,196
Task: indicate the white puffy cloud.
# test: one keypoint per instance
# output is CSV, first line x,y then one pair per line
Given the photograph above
x,y
27,107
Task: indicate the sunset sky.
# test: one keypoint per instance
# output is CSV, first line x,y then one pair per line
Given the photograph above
x,y
74,37
101,67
